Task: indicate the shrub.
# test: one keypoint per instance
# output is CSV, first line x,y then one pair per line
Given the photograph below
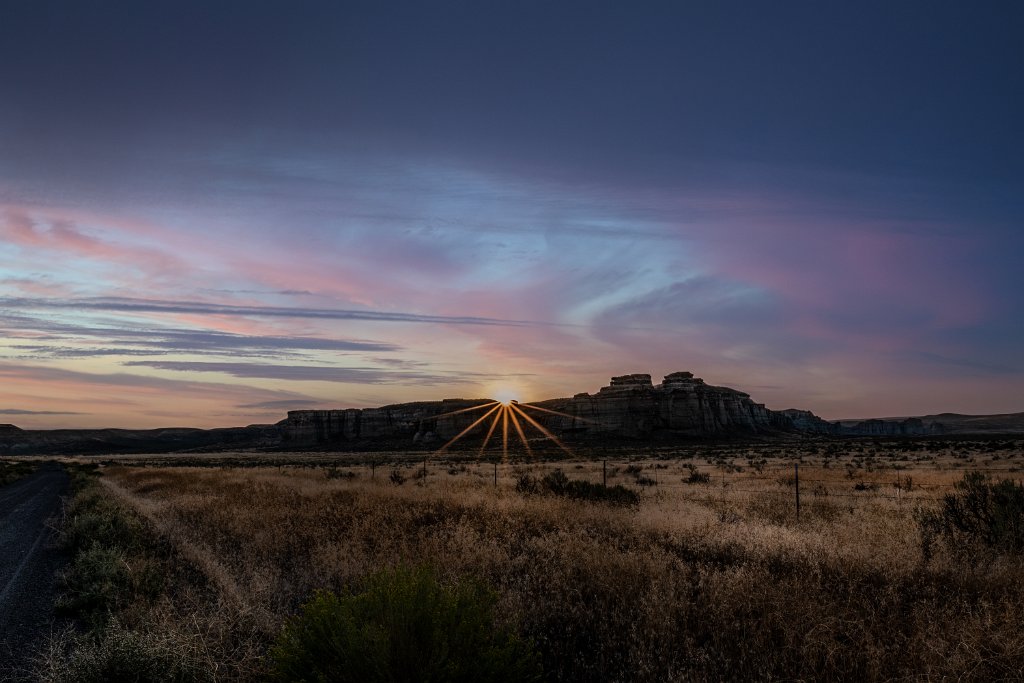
x,y
980,517
115,653
558,484
397,478
13,471
404,626
527,484
697,477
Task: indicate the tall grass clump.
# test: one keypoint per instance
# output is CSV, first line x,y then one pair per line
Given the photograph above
x,y
118,653
113,556
558,484
403,626
117,572
981,519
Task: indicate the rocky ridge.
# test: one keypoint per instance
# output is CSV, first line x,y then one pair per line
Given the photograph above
x,y
631,407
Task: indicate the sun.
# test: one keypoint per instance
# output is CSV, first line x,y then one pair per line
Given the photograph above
x,y
506,414
506,396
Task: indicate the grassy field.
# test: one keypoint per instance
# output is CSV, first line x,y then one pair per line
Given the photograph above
x,y
710,576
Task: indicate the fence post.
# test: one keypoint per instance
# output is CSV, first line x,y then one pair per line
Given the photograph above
x,y
373,469
796,478
495,474
604,474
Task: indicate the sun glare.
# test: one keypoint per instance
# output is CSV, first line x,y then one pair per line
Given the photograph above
x,y
507,411
506,396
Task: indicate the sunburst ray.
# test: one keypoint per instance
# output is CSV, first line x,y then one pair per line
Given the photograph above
x,y
487,439
465,410
555,412
504,433
468,429
543,430
519,430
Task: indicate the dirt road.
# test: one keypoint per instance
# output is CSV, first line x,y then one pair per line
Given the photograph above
x,y
28,565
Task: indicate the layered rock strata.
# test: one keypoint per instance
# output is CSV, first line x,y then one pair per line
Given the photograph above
x,y
630,406
682,404
426,422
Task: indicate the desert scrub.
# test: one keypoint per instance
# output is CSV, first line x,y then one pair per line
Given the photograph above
x,y
982,519
117,653
660,592
13,470
114,557
403,626
117,572
558,484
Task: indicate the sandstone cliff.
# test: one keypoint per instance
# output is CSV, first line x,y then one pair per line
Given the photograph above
x,y
426,422
682,404
631,406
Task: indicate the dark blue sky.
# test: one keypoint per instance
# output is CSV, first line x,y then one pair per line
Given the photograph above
x,y
812,198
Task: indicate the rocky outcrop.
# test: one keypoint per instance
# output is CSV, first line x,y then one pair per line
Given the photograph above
x,y
630,406
912,426
96,441
806,421
426,422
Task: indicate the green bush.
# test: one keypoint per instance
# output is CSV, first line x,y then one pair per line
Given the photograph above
x,y
980,518
114,557
404,626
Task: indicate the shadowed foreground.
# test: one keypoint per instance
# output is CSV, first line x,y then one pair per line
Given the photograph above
x,y
28,565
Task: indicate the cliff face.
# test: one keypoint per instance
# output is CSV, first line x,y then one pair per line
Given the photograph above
x,y
806,421
427,422
683,404
631,406
912,426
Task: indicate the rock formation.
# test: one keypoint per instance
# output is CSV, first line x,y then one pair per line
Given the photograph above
x,y
682,404
630,406
426,422
911,426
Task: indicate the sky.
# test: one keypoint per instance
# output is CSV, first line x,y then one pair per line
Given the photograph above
x,y
214,212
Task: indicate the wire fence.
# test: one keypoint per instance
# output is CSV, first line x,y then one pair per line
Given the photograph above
x,y
718,484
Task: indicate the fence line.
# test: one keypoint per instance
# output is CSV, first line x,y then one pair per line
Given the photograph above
x,y
716,491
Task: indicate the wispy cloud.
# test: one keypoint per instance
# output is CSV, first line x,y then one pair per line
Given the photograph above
x,y
129,305
17,411
126,338
288,404
308,373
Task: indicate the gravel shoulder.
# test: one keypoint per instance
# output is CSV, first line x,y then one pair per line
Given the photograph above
x,y
29,562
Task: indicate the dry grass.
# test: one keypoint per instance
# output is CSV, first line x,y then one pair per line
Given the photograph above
x,y
702,581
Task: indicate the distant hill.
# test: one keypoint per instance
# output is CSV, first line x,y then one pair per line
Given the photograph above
x,y
955,423
630,408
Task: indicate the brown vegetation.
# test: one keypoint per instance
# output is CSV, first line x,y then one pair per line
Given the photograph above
x,y
709,578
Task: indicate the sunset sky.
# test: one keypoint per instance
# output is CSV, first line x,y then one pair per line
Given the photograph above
x,y
215,212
